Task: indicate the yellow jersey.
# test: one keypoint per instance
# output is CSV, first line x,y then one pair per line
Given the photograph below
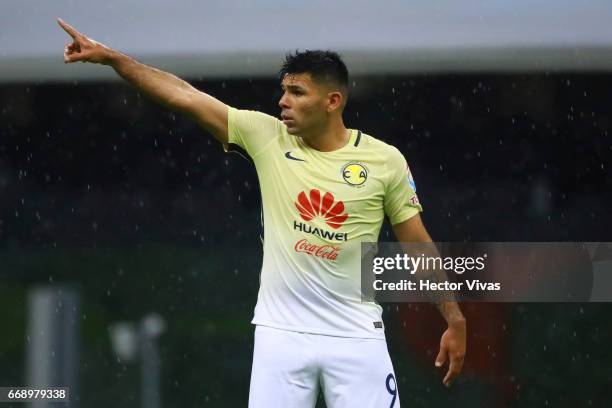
x,y
317,209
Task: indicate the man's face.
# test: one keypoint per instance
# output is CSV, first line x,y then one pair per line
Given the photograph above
x,y
303,104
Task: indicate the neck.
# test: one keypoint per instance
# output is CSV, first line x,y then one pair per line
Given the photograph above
x,y
331,136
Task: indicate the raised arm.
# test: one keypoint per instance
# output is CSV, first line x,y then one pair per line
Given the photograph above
x,y
453,341
163,87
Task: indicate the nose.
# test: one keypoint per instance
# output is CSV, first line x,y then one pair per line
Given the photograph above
x,y
284,101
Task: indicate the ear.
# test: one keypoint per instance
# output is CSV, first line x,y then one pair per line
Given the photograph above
x,y
334,101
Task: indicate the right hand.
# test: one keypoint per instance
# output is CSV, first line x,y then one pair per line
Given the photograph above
x,y
82,48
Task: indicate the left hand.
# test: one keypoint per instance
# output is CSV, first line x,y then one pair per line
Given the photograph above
x,y
452,345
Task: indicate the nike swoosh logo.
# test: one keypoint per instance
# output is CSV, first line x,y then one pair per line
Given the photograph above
x,y
290,157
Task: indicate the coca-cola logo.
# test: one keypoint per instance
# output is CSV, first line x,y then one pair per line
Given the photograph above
x,y
328,252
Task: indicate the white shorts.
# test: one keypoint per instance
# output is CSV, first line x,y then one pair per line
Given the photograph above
x,y
289,366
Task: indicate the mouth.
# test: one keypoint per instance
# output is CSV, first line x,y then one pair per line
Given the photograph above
x,y
288,122
286,119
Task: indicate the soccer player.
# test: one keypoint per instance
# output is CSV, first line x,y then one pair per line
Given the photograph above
x,y
325,189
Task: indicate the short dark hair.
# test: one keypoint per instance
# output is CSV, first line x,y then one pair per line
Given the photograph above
x,y
323,65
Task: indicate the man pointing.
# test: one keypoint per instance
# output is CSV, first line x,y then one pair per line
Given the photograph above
x,y
325,189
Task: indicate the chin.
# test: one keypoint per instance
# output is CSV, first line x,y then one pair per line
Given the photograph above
x,y
292,130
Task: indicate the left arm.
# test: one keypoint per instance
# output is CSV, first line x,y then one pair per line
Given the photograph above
x,y
453,342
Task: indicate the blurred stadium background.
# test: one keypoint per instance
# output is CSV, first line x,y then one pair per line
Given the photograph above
x,y
112,208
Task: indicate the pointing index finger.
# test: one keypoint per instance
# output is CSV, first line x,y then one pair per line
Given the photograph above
x,y
68,28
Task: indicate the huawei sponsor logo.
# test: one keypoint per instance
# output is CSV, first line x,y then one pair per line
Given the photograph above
x,y
320,232
325,208
328,252
314,206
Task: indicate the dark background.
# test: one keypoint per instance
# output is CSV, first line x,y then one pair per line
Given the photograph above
x,y
142,211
